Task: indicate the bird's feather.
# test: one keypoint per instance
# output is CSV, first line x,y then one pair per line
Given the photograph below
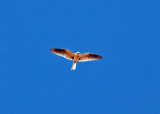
x,y
63,52
88,57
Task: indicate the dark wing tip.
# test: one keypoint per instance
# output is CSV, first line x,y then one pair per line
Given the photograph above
x,y
57,50
95,56
100,57
52,49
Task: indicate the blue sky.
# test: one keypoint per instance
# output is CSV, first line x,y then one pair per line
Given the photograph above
x,y
35,81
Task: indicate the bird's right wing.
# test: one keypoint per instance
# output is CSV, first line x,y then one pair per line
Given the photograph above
x,y
63,52
88,57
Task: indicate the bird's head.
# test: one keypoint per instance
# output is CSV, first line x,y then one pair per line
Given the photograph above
x,y
77,53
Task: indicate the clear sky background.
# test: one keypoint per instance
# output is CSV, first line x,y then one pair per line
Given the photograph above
x,y
35,81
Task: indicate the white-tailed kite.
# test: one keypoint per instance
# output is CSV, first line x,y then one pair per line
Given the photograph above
x,y
75,56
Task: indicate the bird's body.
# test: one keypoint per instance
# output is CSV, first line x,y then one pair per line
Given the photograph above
x,y
75,56
75,61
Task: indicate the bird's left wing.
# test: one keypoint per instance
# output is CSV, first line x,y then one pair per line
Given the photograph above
x,y
88,57
63,52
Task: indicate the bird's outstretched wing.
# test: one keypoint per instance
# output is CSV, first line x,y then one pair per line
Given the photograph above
x,y
88,57
63,52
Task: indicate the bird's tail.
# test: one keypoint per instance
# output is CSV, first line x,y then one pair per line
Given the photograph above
x,y
74,66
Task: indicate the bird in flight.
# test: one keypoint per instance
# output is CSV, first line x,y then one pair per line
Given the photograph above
x,y
75,56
